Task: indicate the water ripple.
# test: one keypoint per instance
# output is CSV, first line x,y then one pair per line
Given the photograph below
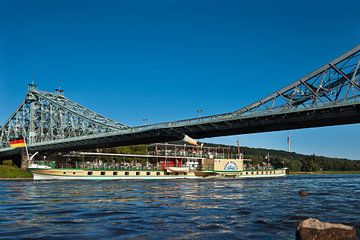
x,y
178,209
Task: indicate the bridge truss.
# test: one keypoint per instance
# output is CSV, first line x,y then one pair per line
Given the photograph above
x,y
45,116
336,82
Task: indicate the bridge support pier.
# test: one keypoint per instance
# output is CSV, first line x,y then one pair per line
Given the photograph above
x,y
24,159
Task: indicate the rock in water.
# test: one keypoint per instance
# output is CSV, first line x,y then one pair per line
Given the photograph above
x,y
313,229
303,193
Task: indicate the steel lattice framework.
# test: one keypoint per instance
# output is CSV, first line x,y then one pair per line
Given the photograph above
x,y
336,82
327,96
45,116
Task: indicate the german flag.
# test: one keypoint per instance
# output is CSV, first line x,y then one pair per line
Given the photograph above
x,y
17,143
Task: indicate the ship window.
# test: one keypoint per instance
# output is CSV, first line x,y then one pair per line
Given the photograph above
x,y
126,173
252,172
185,173
148,173
158,173
167,173
114,173
102,173
177,173
64,172
262,172
137,173
74,173
247,173
89,173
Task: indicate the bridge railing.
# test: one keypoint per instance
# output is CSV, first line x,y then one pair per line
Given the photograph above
x,y
234,116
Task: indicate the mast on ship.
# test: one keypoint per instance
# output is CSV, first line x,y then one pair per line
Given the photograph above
x,y
238,148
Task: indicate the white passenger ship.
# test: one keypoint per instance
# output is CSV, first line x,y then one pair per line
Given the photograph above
x,y
162,161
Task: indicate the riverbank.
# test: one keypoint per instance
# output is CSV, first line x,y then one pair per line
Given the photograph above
x,y
11,172
326,172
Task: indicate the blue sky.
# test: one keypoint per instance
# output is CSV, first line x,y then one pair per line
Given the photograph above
x,y
163,60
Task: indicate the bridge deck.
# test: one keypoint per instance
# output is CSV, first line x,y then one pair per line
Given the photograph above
x,y
219,125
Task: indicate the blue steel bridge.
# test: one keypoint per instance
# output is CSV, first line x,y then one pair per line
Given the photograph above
x,y
51,122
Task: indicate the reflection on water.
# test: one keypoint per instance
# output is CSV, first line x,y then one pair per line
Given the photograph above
x,y
175,209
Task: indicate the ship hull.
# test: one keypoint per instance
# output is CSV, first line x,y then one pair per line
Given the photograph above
x,y
55,177
61,174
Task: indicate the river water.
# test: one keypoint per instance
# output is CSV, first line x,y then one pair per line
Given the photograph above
x,y
175,209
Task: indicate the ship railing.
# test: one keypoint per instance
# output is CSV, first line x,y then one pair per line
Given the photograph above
x,y
258,168
162,154
116,168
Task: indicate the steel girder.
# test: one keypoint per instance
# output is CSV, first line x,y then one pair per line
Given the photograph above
x,y
45,116
335,82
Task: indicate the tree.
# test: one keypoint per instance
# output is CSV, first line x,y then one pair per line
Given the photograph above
x,y
309,164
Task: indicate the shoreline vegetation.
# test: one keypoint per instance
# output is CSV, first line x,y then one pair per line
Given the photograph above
x,y
12,172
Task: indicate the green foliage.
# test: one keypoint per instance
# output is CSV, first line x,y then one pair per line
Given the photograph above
x,y
310,164
294,165
135,149
13,172
8,162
